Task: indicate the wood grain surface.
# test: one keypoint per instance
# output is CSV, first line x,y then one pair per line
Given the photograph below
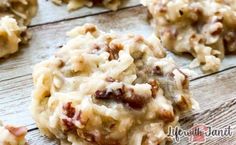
x,y
216,93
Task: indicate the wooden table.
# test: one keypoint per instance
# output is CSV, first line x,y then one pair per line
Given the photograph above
x,y
216,93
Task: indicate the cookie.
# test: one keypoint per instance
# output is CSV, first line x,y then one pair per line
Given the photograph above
x,y
205,28
10,36
104,88
15,15
12,135
22,10
76,4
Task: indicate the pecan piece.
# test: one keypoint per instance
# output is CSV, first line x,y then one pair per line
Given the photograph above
x,y
185,82
167,116
184,103
157,71
110,94
90,28
124,95
135,101
155,87
69,109
114,49
68,123
17,131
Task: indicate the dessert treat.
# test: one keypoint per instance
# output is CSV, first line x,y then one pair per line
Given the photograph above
x,y
205,28
22,10
76,4
10,36
15,15
109,89
12,135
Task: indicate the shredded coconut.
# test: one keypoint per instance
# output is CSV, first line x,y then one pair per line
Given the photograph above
x,y
15,15
105,88
204,28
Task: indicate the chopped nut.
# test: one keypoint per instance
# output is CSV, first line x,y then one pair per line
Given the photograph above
x,y
155,87
184,103
68,123
69,109
90,28
96,47
61,63
181,12
114,49
157,71
216,29
185,82
17,131
135,101
124,95
167,116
